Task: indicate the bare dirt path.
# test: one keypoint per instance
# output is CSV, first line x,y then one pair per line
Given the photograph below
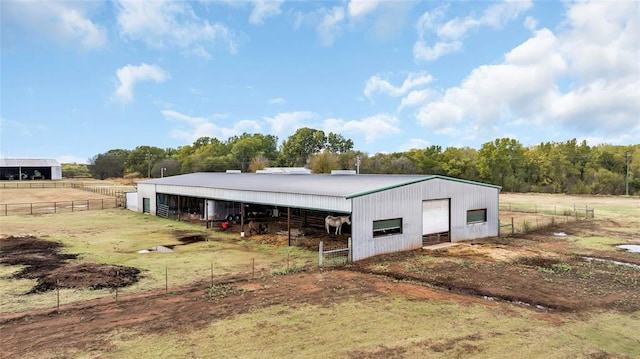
x,y
189,308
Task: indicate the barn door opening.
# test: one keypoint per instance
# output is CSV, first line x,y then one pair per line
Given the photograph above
x,y
146,205
435,221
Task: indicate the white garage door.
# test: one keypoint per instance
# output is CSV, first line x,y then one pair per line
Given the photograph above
x,y
435,216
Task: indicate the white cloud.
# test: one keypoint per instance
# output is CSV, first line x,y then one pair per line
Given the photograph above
x,y
195,127
22,129
329,28
66,22
362,7
377,85
286,123
72,159
277,101
583,78
166,24
263,9
129,75
601,107
416,98
373,128
413,143
381,20
421,51
451,32
603,40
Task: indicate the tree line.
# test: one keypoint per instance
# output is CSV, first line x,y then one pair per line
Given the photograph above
x,y
570,167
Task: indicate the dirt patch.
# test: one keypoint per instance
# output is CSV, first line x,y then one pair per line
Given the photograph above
x,y
307,238
537,269
43,262
191,308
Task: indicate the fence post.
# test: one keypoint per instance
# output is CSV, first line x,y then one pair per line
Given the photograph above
x,y
87,205
31,204
166,280
71,206
320,248
55,207
58,295
102,204
350,243
512,227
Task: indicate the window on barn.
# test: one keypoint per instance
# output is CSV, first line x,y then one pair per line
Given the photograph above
x,y
476,216
387,226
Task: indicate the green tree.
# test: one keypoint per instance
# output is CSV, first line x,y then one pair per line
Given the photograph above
x,y
338,144
142,158
324,162
107,165
166,167
502,162
401,165
75,170
460,163
426,160
297,148
246,147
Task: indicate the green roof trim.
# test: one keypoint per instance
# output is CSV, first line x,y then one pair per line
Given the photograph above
x,y
421,179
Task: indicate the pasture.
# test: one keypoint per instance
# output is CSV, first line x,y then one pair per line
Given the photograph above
x,y
529,295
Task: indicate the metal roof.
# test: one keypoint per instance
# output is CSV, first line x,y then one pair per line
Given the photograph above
x,y
28,162
347,186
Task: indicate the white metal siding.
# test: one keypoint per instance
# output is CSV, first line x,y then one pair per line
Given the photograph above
x,y
320,202
132,201
406,203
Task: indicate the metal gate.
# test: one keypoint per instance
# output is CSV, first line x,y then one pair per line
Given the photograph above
x,y
335,256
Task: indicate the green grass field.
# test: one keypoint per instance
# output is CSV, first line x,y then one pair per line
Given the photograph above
x,y
392,325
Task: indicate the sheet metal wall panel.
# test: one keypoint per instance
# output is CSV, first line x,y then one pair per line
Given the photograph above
x,y
147,190
319,202
406,202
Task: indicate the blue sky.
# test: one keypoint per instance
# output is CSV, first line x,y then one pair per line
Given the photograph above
x,y
79,78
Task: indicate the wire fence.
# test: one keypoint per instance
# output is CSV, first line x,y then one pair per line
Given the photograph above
x,y
12,209
527,218
118,194
219,285
548,209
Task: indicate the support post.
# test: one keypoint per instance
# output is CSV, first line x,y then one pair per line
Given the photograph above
x,y
289,224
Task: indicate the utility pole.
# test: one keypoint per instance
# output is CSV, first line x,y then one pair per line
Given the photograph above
x,y
627,176
358,165
162,172
148,164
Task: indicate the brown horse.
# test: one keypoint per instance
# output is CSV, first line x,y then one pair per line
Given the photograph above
x,y
337,222
258,228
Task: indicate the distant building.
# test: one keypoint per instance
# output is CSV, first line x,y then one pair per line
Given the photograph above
x,y
27,169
